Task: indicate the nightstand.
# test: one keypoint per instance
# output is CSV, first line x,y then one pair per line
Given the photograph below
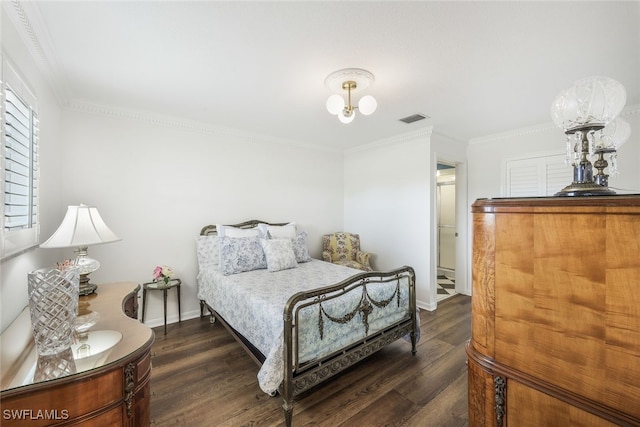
x,y
164,287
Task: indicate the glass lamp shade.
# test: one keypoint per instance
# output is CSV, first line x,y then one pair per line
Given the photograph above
x,y
590,102
614,135
346,118
335,104
564,109
367,105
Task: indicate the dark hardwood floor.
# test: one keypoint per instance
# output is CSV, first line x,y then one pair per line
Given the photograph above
x,y
202,377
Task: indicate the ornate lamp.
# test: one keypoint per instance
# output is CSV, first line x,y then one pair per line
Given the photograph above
x,y
583,111
81,227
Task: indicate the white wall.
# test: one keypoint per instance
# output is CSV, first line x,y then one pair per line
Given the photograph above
x,y
13,271
156,181
387,191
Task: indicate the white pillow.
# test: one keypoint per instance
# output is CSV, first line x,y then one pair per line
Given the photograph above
x,y
279,254
287,231
229,231
208,252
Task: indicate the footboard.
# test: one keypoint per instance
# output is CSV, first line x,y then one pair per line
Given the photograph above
x,y
380,305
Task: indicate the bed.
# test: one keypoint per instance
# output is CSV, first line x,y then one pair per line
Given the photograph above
x,y
302,320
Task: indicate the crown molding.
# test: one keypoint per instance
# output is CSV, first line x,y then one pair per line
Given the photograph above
x,y
187,125
529,130
631,110
424,133
628,111
27,20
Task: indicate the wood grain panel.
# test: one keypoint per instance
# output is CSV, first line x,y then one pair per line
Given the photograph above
x,y
101,392
483,303
514,279
481,401
531,408
567,309
622,337
569,303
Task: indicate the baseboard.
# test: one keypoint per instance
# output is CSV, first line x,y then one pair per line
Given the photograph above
x,y
159,321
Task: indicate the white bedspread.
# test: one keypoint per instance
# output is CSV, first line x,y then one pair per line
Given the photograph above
x,y
253,304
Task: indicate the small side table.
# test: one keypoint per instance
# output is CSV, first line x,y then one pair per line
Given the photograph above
x,y
164,287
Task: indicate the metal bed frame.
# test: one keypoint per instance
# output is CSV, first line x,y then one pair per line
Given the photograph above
x,y
300,377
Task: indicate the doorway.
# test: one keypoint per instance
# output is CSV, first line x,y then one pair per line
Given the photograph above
x,y
446,230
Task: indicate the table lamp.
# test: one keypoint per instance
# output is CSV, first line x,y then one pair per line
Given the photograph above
x,y
81,227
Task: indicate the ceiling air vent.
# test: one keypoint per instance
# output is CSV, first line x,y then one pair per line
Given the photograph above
x,y
413,118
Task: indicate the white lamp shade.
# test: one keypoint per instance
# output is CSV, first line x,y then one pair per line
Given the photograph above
x,y
335,104
346,119
82,226
367,105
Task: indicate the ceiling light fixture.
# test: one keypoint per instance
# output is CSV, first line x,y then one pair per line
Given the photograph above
x,y
352,80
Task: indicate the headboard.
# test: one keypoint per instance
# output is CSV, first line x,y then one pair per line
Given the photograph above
x,y
211,229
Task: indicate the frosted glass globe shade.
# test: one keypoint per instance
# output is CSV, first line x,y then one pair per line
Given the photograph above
x,y
564,109
614,135
335,104
592,101
344,118
600,100
367,105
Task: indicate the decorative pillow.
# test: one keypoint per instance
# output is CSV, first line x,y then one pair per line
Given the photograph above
x,y
300,247
238,254
229,231
278,231
279,254
208,252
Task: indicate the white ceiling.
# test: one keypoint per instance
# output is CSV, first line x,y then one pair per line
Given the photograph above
x,y
476,68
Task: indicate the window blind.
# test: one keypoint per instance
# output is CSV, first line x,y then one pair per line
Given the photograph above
x,y
19,175
536,176
21,163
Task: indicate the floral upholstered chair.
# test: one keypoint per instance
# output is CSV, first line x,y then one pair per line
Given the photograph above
x,y
344,249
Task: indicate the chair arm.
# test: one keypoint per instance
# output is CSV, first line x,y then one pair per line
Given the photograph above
x,y
326,256
363,258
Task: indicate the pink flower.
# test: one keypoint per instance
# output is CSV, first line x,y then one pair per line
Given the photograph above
x,y
65,265
162,273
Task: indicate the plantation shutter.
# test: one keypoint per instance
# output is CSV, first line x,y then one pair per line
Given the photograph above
x,y
20,173
536,176
21,164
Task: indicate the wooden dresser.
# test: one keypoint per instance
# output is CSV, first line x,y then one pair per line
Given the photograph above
x,y
107,389
555,312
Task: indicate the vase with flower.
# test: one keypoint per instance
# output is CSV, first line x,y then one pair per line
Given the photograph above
x,y
162,274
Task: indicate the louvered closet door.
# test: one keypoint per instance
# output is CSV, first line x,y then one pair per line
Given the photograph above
x,y
536,176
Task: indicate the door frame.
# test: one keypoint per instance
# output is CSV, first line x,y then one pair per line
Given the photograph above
x,y
462,218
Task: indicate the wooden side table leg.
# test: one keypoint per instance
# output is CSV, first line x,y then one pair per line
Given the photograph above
x,y
164,291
